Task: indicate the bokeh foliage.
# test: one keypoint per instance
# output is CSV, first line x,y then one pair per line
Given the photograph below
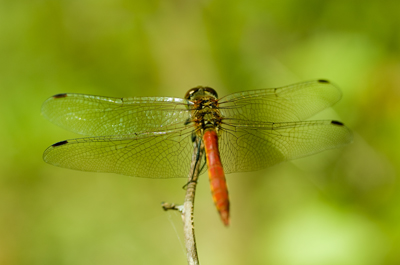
x,y
337,207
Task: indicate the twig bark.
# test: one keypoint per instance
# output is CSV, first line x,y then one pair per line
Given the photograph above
x,y
187,210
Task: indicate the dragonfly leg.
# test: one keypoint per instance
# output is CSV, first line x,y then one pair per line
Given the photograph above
x,y
171,206
202,167
188,121
197,142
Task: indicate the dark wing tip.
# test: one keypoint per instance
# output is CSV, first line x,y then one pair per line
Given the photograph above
x,y
337,123
323,81
60,143
62,95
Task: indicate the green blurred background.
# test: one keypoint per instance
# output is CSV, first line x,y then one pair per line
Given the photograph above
x,y
337,207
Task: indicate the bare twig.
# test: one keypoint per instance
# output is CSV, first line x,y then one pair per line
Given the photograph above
x,y
187,210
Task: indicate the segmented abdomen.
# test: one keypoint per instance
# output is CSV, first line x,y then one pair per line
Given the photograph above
x,y
216,174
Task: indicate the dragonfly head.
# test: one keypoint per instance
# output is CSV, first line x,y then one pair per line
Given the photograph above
x,y
200,91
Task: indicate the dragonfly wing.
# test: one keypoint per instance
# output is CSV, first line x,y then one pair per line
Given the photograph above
x,y
165,154
96,115
256,146
289,103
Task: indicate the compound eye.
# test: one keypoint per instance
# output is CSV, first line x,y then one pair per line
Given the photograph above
x,y
211,91
199,92
191,92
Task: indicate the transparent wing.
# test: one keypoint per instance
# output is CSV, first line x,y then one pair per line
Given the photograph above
x,y
289,103
149,155
259,145
96,115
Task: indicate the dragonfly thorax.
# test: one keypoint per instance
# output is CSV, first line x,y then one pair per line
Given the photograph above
x,y
205,109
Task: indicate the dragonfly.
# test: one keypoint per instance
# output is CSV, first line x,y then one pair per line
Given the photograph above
x,y
153,137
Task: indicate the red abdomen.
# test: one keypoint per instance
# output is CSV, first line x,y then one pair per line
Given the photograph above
x,y
216,174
